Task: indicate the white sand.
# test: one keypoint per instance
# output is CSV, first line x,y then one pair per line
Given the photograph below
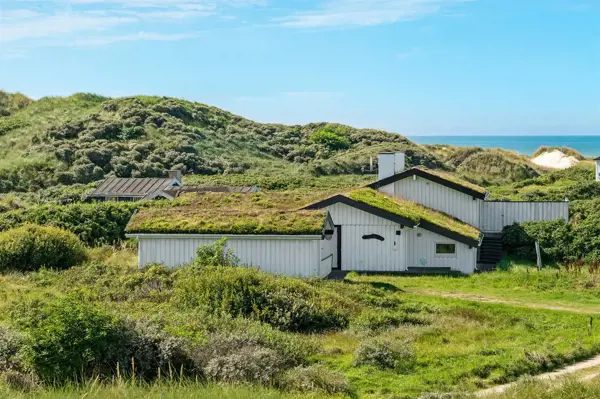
x,y
555,160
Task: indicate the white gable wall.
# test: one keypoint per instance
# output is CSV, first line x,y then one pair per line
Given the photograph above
x,y
436,196
396,253
421,252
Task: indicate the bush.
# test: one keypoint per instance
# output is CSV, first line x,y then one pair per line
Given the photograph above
x,y
19,381
32,247
316,378
70,340
384,354
10,351
330,139
248,356
559,241
285,303
216,254
94,224
248,364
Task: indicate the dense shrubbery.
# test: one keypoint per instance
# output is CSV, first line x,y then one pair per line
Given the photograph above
x,y
316,378
282,302
385,354
69,340
94,224
559,241
32,247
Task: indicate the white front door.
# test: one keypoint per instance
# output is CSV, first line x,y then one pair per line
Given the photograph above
x,y
372,248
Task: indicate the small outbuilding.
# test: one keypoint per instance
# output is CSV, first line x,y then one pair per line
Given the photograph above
x,y
294,243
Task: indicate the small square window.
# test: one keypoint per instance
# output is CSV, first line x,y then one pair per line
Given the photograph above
x,y
445,249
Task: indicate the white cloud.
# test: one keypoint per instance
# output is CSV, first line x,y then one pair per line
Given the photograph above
x,y
146,36
51,25
42,22
353,13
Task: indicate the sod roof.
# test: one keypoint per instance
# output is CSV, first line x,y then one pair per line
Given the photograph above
x,y
406,211
192,220
443,178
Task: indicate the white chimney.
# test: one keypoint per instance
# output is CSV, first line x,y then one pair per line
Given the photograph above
x,y
400,161
597,169
386,165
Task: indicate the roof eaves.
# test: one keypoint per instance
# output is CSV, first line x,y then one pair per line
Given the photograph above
x,y
363,207
429,176
396,218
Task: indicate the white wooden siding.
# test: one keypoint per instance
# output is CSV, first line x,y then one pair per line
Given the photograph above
x,y
421,252
346,215
371,254
292,256
434,195
496,215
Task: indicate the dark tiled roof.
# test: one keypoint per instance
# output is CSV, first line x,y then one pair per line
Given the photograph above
x,y
130,187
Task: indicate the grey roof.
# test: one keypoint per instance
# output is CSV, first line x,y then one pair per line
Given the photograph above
x,y
597,159
130,187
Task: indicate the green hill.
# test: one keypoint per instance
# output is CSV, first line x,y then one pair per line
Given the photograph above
x,y
85,137
487,167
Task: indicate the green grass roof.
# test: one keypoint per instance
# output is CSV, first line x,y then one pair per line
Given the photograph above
x,y
412,211
191,220
452,178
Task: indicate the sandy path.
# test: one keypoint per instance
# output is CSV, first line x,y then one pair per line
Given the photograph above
x,y
478,298
594,362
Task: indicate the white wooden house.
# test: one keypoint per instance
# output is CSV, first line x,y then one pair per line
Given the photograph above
x,y
409,220
597,168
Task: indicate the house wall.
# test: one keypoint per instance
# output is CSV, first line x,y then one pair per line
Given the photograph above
x,y
421,244
496,215
298,256
439,197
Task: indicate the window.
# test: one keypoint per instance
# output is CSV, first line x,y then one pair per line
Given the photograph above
x,y
445,249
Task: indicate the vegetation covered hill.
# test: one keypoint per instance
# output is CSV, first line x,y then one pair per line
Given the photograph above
x,y
487,166
85,137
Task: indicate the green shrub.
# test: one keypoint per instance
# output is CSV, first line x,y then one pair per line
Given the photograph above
x,y
316,378
285,303
94,224
247,364
216,254
384,354
69,340
252,355
330,139
32,247
10,350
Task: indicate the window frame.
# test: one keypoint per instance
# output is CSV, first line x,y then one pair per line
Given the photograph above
x,y
445,255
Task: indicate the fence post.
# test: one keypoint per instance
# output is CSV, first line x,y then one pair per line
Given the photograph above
x,y
539,255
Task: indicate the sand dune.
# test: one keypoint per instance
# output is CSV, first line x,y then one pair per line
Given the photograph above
x,y
555,160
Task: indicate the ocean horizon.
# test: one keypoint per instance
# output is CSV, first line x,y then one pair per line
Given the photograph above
x,y
589,146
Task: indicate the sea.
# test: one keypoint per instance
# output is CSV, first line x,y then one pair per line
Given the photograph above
x,y
526,145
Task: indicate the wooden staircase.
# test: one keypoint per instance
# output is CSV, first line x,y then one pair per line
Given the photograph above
x,y
490,252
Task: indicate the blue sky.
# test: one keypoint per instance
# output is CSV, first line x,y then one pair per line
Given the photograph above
x,y
411,66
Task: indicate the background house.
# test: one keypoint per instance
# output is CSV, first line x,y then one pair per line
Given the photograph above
x,y
171,187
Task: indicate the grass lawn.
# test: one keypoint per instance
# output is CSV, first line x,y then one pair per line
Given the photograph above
x,y
521,284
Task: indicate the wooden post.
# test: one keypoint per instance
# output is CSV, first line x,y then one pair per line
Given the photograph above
x,y
539,255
